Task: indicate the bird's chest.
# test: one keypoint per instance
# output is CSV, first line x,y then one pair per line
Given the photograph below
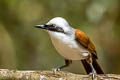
x,y
68,47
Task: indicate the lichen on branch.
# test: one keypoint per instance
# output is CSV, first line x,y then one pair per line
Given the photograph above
x,y
6,74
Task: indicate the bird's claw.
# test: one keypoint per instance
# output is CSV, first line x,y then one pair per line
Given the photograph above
x,y
55,70
93,75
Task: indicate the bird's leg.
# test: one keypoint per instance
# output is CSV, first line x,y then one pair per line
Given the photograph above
x,y
93,73
67,63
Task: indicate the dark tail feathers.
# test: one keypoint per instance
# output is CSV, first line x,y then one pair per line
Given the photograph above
x,y
95,65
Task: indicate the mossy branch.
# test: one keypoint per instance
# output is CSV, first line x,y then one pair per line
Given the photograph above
x,y
6,74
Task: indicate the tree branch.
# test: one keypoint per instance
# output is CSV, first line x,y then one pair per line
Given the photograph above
x,y
6,74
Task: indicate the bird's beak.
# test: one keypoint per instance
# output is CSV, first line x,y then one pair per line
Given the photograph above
x,y
40,26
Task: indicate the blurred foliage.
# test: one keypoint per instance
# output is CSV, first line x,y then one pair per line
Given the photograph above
x,y
24,47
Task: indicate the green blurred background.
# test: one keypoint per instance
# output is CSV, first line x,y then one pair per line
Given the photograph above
x,y
24,47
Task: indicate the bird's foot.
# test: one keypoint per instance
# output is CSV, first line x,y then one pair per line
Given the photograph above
x,y
56,70
93,75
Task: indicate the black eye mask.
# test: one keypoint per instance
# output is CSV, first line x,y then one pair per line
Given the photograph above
x,y
54,28
50,28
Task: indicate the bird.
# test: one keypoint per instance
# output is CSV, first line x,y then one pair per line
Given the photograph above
x,y
72,44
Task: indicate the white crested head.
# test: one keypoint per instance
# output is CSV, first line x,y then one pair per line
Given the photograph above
x,y
59,29
60,22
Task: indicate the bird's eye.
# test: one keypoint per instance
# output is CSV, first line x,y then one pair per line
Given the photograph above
x,y
53,25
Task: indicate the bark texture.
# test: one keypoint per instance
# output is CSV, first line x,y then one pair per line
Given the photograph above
x,y
6,74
